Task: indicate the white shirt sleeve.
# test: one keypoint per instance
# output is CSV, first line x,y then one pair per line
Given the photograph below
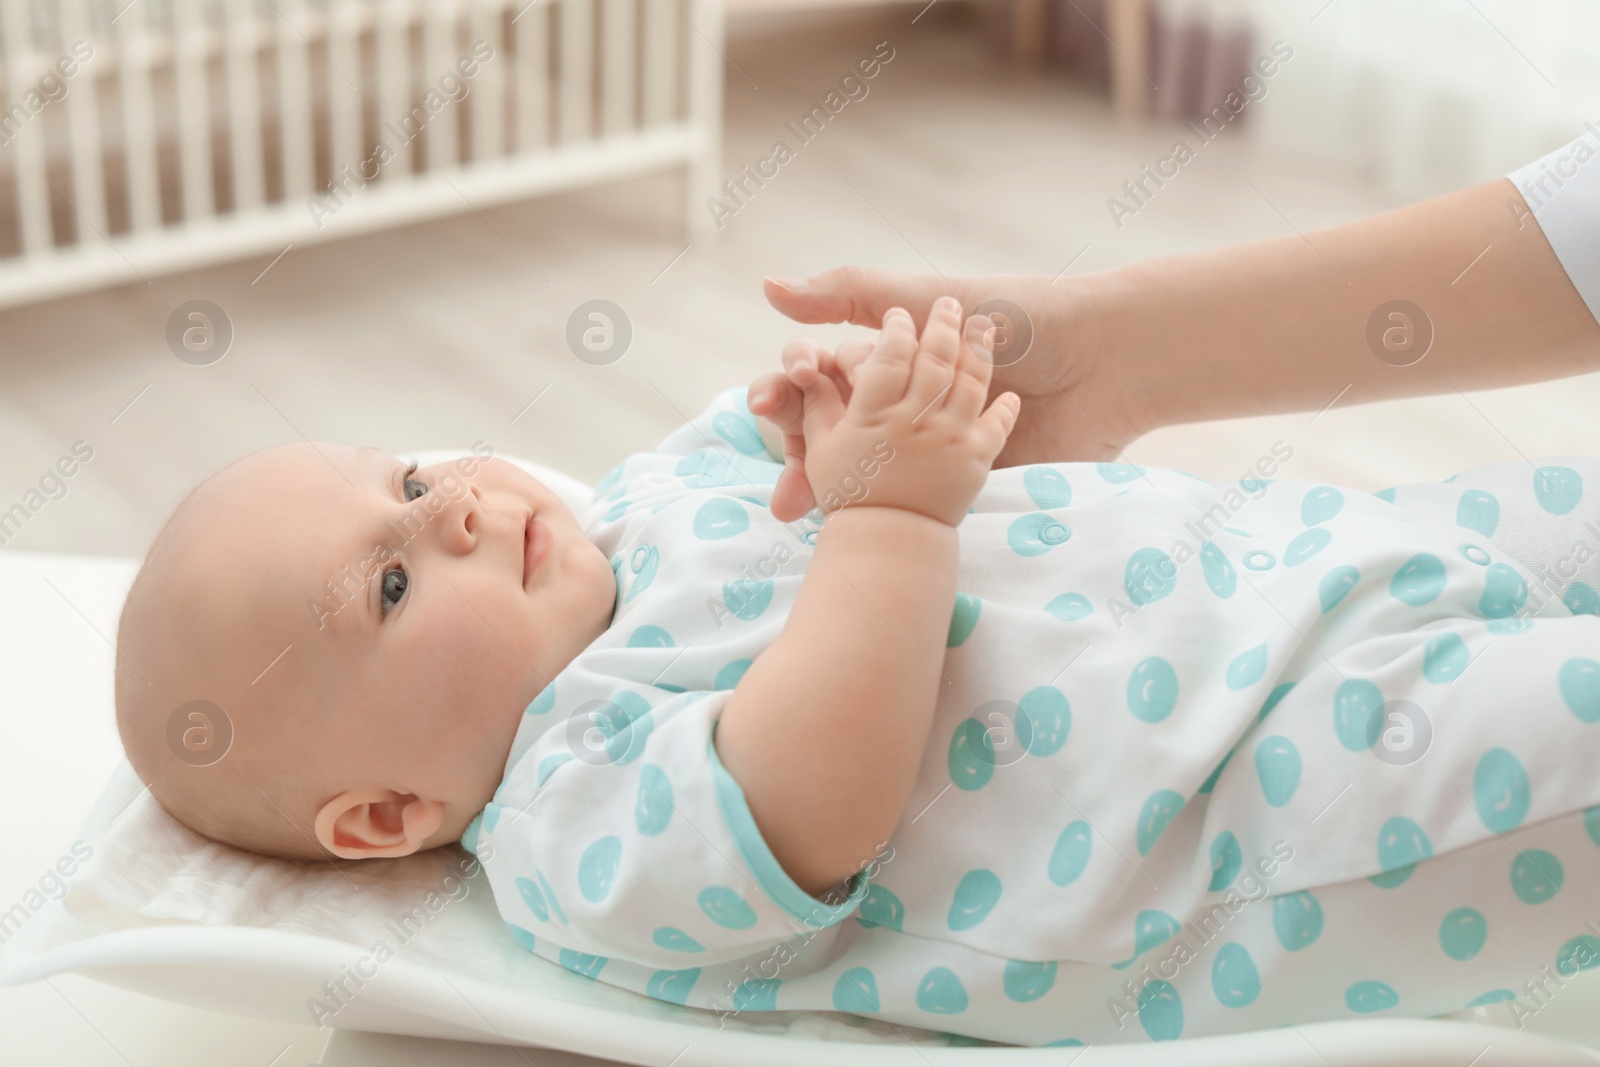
x,y
1563,191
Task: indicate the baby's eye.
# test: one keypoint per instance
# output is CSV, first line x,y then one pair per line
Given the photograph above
x,y
421,487
394,587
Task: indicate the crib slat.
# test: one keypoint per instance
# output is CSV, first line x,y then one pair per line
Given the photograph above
x,y
194,123
442,51
138,120
83,116
577,71
244,105
394,82
532,85
618,67
26,140
296,120
660,61
489,86
344,88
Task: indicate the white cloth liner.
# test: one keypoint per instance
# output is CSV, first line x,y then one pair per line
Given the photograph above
x,y
168,913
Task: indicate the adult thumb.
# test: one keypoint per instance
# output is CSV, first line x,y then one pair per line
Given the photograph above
x,y
858,295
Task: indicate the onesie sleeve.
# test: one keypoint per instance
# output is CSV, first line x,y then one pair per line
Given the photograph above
x,y
1563,192
720,448
621,835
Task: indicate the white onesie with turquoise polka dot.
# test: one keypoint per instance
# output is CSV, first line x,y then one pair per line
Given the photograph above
x,y
1210,757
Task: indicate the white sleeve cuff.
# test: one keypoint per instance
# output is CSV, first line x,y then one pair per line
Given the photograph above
x,y
1563,191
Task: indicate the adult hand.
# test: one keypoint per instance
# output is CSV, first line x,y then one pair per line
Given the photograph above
x,y
1075,406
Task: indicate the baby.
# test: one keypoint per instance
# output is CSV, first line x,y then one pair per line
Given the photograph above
x,y
956,750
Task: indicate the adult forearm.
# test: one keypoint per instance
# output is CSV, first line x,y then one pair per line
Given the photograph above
x,y
1282,324
826,731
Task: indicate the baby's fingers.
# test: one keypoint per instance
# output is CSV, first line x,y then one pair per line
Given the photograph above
x,y
974,366
997,423
882,379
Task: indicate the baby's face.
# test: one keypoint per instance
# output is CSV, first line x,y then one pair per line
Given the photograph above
x,y
422,609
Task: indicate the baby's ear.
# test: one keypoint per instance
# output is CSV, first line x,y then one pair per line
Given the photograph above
x,y
363,824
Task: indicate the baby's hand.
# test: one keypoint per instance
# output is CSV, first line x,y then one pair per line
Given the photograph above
x,y
913,433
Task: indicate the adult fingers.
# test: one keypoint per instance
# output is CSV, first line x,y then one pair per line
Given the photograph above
x,y
859,295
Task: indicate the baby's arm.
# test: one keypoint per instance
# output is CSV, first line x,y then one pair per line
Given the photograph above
x,y
826,730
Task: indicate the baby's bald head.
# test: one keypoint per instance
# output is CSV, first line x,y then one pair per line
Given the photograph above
x,y
327,653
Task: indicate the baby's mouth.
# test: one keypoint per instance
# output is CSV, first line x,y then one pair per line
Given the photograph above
x,y
535,546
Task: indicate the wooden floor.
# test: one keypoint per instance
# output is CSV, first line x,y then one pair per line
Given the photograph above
x,y
440,334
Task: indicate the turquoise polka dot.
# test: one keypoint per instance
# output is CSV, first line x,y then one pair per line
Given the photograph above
x,y
491,816
1278,767
1211,780
1161,1011
881,907
971,758
1117,473
1335,585
650,637
963,619
1036,533
1579,682
1504,592
1226,859
1046,487
644,564
1579,954
582,963
541,704
1478,511
1444,658
1508,626
1160,808
1050,716
1152,689
548,765
1385,494
1462,933
1558,489
976,895
1402,844
1247,667
1296,919
1070,607
1475,554
670,937
1581,599
726,908
1536,876
1219,573
524,937
730,674
1065,1042
719,518
653,810
1368,997
1357,713
597,868
747,598
1150,929
1500,790
1279,691
941,993
532,897
1234,978
857,991
1591,824
757,994
1252,485
1071,853
1419,580
1306,545
1149,576
626,723
1494,996
1026,981
672,986
1320,505
550,897
739,432
1258,560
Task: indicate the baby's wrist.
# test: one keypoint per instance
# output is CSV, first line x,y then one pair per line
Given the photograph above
x,y
884,512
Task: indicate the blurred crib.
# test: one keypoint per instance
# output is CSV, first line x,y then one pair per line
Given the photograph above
x,y
139,137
